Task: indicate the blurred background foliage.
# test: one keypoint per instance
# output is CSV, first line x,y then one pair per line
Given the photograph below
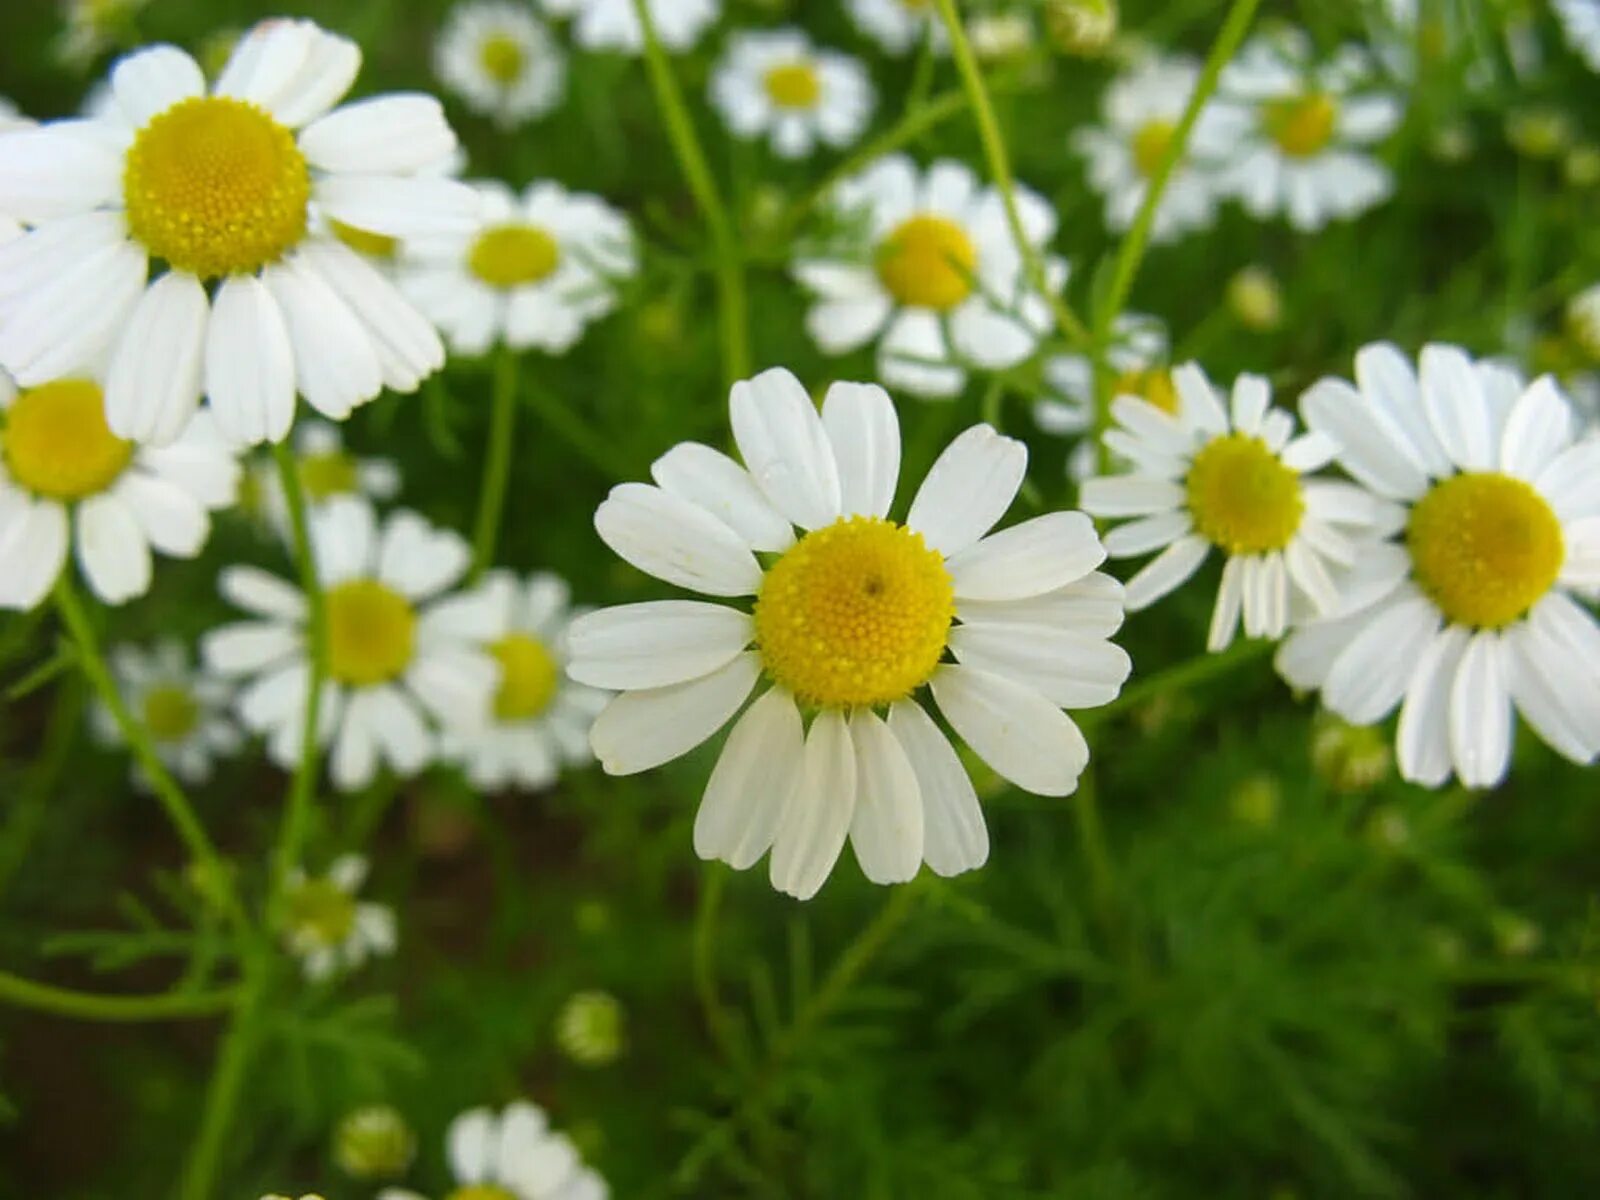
x,y
1288,976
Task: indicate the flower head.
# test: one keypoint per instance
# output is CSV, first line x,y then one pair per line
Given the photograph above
x,y
614,24
501,60
513,1155
185,711
374,1142
900,27
774,83
326,927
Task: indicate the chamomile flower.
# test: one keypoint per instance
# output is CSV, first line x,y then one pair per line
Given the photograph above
x,y
327,469
513,1155
1465,615
614,24
327,928
499,58
227,187
533,271
1580,22
900,26
374,1142
185,711
68,482
1300,129
1138,355
1205,479
540,720
1141,111
773,83
940,279
398,648
852,619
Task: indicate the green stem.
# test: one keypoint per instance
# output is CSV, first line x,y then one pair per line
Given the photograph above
x,y
718,1023
89,1006
994,148
1179,678
222,1094
497,472
692,160
296,815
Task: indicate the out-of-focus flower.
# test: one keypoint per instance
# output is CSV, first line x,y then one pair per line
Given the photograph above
x,y
1539,132
374,1142
773,83
614,24
184,710
1084,28
1255,299
500,58
512,1156
1349,758
900,26
589,1028
326,927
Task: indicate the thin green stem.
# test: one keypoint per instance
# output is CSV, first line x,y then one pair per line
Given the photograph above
x,y
222,1094
994,149
91,1006
1179,678
497,455
692,160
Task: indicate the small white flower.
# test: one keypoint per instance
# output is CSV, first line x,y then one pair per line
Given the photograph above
x,y
326,470
66,481
501,60
900,26
590,1028
853,619
398,647
1001,35
533,271
1138,356
540,721
1580,21
614,25
327,928
940,277
226,186
513,1156
774,83
1299,130
185,711
1206,479
1465,615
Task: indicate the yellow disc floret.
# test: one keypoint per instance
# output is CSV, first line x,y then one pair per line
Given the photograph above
x,y
170,712
794,85
320,913
928,262
856,613
1149,145
328,474
502,58
371,631
1484,547
364,241
56,442
1242,499
1301,126
509,256
216,187
528,677
1151,384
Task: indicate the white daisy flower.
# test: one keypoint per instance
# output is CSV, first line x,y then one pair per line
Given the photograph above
x,y
900,26
851,620
1465,614
1141,111
184,710
1138,355
327,928
774,83
1299,131
941,279
66,481
1230,480
512,1156
1580,22
398,647
500,59
540,720
326,469
531,272
614,25
227,188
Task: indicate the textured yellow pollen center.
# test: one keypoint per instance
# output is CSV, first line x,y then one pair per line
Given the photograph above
x,y
928,262
528,677
56,442
321,912
508,256
1241,497
856,613
1301,126
170,713
1484,547
1152,384
329,474
794,85
1150,144
371,631
481,1191
216,187
364,241
502,58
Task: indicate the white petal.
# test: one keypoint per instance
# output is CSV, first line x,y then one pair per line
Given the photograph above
x,y
246,647
471,1143
1387,380
1480,714
816,817
353,762
152,80
249,363
1093,605
417,560
672,539
1557,696
886,830
1538,428
865,434
57,170
640,730
153,385
1029,559
455,684
1131,496
391,134
1230,601
401,735
1370,444
656,643
172,520
1422,743
344,538
968,489
400,206
111,549
406,343
336,366
1145,534
1457,411
1371,674
1251,397
783,443
258,591
1198,400
1070,669
1166,571
954,834
744,799
723,488
1013,728
33,546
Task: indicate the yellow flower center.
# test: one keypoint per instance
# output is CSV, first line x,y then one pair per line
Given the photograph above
x,y
333,473
371,631
502,58
170,713
1241,497
216,187
794,85
1150,144
528,677
928,262
481,1191
363,241
856,613
321,912
508,256
1303,125
56,442
1151,384
1484,547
